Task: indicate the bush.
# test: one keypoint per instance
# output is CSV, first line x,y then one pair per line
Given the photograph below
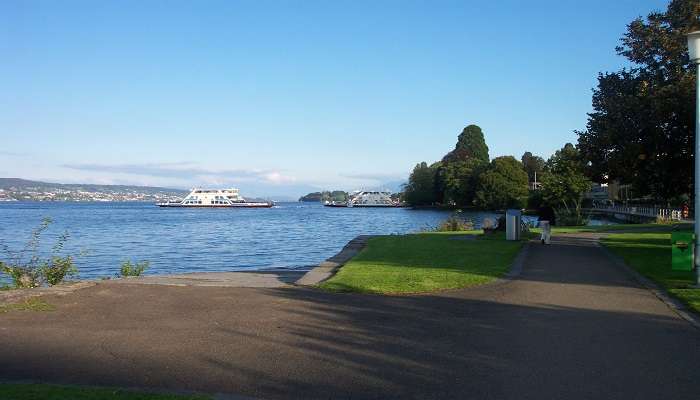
x,y
22,276
133,269
27,269
57,269
455,224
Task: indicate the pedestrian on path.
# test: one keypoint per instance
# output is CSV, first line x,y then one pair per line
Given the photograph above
x,y
546,219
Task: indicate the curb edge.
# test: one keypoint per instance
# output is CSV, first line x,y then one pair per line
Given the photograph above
x,y
671,302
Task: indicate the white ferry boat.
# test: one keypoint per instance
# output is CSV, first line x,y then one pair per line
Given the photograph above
x,y
367,198
215,198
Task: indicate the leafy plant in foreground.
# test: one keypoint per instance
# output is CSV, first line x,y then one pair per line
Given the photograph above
x,y
28,269
133,269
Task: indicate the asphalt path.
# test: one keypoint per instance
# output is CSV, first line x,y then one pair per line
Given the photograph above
x,y
573,325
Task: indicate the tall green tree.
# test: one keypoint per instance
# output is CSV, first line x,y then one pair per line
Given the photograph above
x,y
470,146
564,182
503,184
533,165
641,129
459,169
420,189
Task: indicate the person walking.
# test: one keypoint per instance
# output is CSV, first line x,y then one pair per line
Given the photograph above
x,y
546,220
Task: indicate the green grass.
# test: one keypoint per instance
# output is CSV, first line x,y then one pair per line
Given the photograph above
x,y
611,228
30,304
59,392
425,262
650,254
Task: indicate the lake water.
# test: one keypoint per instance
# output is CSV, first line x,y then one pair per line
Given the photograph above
x,y
290,235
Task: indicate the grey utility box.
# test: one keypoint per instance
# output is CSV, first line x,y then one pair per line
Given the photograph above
x,y
513,224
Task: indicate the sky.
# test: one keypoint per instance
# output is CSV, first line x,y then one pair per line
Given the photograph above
x,y
280,98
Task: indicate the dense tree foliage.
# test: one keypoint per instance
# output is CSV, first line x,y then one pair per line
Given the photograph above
x,y
641,130
458,172
458,180
533,165
564,182
470,146
503,184
420,189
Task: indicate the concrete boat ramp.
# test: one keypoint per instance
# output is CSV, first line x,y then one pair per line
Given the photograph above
x,y
273,278
257,279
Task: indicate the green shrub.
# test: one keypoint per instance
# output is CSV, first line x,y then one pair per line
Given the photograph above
x,y
28,269
133,269
57,269
22,276
665,221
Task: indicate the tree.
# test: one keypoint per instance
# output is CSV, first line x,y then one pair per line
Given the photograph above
x,y
460,167
459,179
564,182
420,189
470,146
641,129
533,165
502,185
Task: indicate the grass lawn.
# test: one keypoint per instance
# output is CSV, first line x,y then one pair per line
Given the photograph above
x,y
650,254
30,304
425,262
611,228
57,392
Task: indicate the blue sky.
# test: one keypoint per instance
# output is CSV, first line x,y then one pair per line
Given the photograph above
x,y
282,97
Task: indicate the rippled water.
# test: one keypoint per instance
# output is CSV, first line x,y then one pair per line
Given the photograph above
x,y
291,235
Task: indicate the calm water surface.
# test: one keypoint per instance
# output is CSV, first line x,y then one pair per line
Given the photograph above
x,y
291,235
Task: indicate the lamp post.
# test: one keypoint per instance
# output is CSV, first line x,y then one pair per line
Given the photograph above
x,y
694,54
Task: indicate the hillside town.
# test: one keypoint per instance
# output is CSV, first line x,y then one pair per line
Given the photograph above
x,y
24,190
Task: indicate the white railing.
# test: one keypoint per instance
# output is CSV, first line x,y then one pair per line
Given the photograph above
x,y
652,212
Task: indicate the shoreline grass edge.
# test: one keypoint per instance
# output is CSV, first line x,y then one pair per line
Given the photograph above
x,y
425,262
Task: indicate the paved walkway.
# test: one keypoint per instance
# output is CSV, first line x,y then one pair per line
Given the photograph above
x,y
572,326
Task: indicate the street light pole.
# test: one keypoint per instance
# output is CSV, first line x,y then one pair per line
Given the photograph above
x,y
694,55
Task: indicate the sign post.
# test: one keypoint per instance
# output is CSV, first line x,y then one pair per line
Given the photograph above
x,y
694,55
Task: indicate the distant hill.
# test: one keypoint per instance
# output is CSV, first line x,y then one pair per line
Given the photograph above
x,y
23,189
311,197
336,195
17,183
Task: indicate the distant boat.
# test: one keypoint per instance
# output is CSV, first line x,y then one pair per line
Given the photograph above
x,y
220,198
364,198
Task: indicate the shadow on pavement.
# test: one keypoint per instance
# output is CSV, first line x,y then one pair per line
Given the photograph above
x,y
303,343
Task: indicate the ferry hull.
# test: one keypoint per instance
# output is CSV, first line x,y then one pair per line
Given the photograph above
x,y
364,205
238,205
375,205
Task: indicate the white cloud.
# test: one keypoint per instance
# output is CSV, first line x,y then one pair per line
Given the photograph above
x,y
277,178
186,171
